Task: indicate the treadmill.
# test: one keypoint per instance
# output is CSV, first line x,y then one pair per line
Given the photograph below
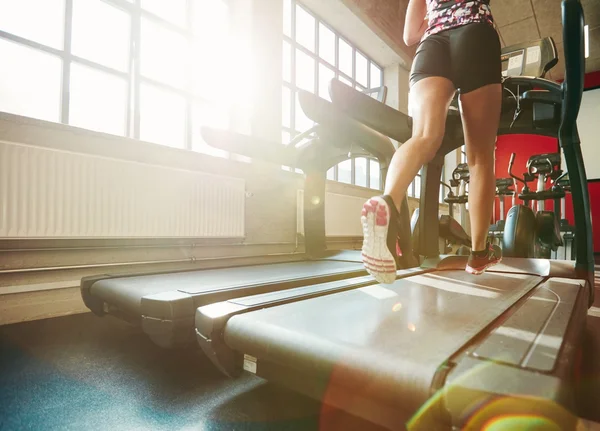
x,y
163,304
439,348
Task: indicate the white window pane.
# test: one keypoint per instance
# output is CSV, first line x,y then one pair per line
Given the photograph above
x,y
374,175
98,100
163,54
287,17
418,186
345,59
42,21
285,137
305,71
93,17
326,44
30,83
345,81
286,105
209,81
305,28
375,77
360,172
208,115
303,123
287,62
171,10
325,76
162,116
345,172
210,20
331,174
362,69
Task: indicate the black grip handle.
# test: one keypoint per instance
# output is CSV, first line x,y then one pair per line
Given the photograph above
x,y
573,23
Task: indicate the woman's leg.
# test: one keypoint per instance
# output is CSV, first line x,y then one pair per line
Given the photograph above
x,y
480,110
429,102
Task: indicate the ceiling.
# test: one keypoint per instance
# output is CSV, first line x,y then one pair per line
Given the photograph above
x,y
517,20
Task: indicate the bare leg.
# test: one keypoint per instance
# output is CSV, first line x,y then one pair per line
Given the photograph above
x,y
429,102
480,110
429,99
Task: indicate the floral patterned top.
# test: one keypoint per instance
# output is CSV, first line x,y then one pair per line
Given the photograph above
x,y
447,14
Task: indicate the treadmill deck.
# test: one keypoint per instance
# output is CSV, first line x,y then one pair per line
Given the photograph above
x,y
392,338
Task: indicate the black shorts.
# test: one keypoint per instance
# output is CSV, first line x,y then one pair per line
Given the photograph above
x,y
469,56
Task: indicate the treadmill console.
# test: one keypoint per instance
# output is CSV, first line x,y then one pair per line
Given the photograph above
x,y
528,106
531,59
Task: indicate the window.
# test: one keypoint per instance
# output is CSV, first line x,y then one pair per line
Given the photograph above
x,y
359,171
313,55
98,100
463,155
157,75
90,18
30,82
45,26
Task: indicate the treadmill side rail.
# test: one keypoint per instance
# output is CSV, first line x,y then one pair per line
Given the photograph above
x,y
525,364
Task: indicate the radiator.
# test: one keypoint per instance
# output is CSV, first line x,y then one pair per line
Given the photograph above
x,y
46,193
342,214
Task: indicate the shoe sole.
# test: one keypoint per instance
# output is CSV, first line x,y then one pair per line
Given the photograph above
x,y
480,271
376,257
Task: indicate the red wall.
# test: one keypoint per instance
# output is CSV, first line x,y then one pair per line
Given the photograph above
x,y
527,145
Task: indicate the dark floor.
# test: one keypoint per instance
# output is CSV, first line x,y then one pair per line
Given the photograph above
x,y
88,373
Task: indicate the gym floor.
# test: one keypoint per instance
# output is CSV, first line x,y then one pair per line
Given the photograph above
x,y
85,372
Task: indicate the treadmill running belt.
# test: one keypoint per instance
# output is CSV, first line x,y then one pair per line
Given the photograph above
x,y
387,341
128,292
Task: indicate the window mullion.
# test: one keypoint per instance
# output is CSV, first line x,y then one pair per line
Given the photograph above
x,y
190,80
136,31
294,91
354,83
66,75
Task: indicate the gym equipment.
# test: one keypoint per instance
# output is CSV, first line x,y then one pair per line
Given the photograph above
x,y
450,229
503,189
452,233
528,234
164,303
460,179
567,251
440,348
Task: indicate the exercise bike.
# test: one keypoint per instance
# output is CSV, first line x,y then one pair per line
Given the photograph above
x,y
460,179
528,234
504,187
451,233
